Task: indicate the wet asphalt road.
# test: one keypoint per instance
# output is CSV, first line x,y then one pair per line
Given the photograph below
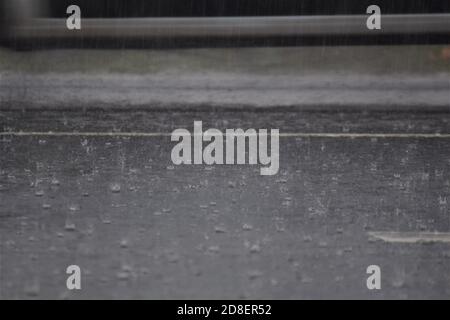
x,y
140,227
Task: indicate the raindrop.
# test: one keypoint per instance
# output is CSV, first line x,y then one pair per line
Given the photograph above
x,y
74,207
33,290
398,282
231,184
306,279
280,226
124,244
70,226
220,229
114,187
124,273
214,249
286,203
254,274
323,244
256,248
173,257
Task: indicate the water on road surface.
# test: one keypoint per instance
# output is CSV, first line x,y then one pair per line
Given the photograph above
x,y
354,189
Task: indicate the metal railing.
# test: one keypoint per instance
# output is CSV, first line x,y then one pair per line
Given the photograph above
x,y
128,28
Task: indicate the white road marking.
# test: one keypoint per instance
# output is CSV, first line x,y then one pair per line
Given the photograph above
x,y
85,134
411,237
281,135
